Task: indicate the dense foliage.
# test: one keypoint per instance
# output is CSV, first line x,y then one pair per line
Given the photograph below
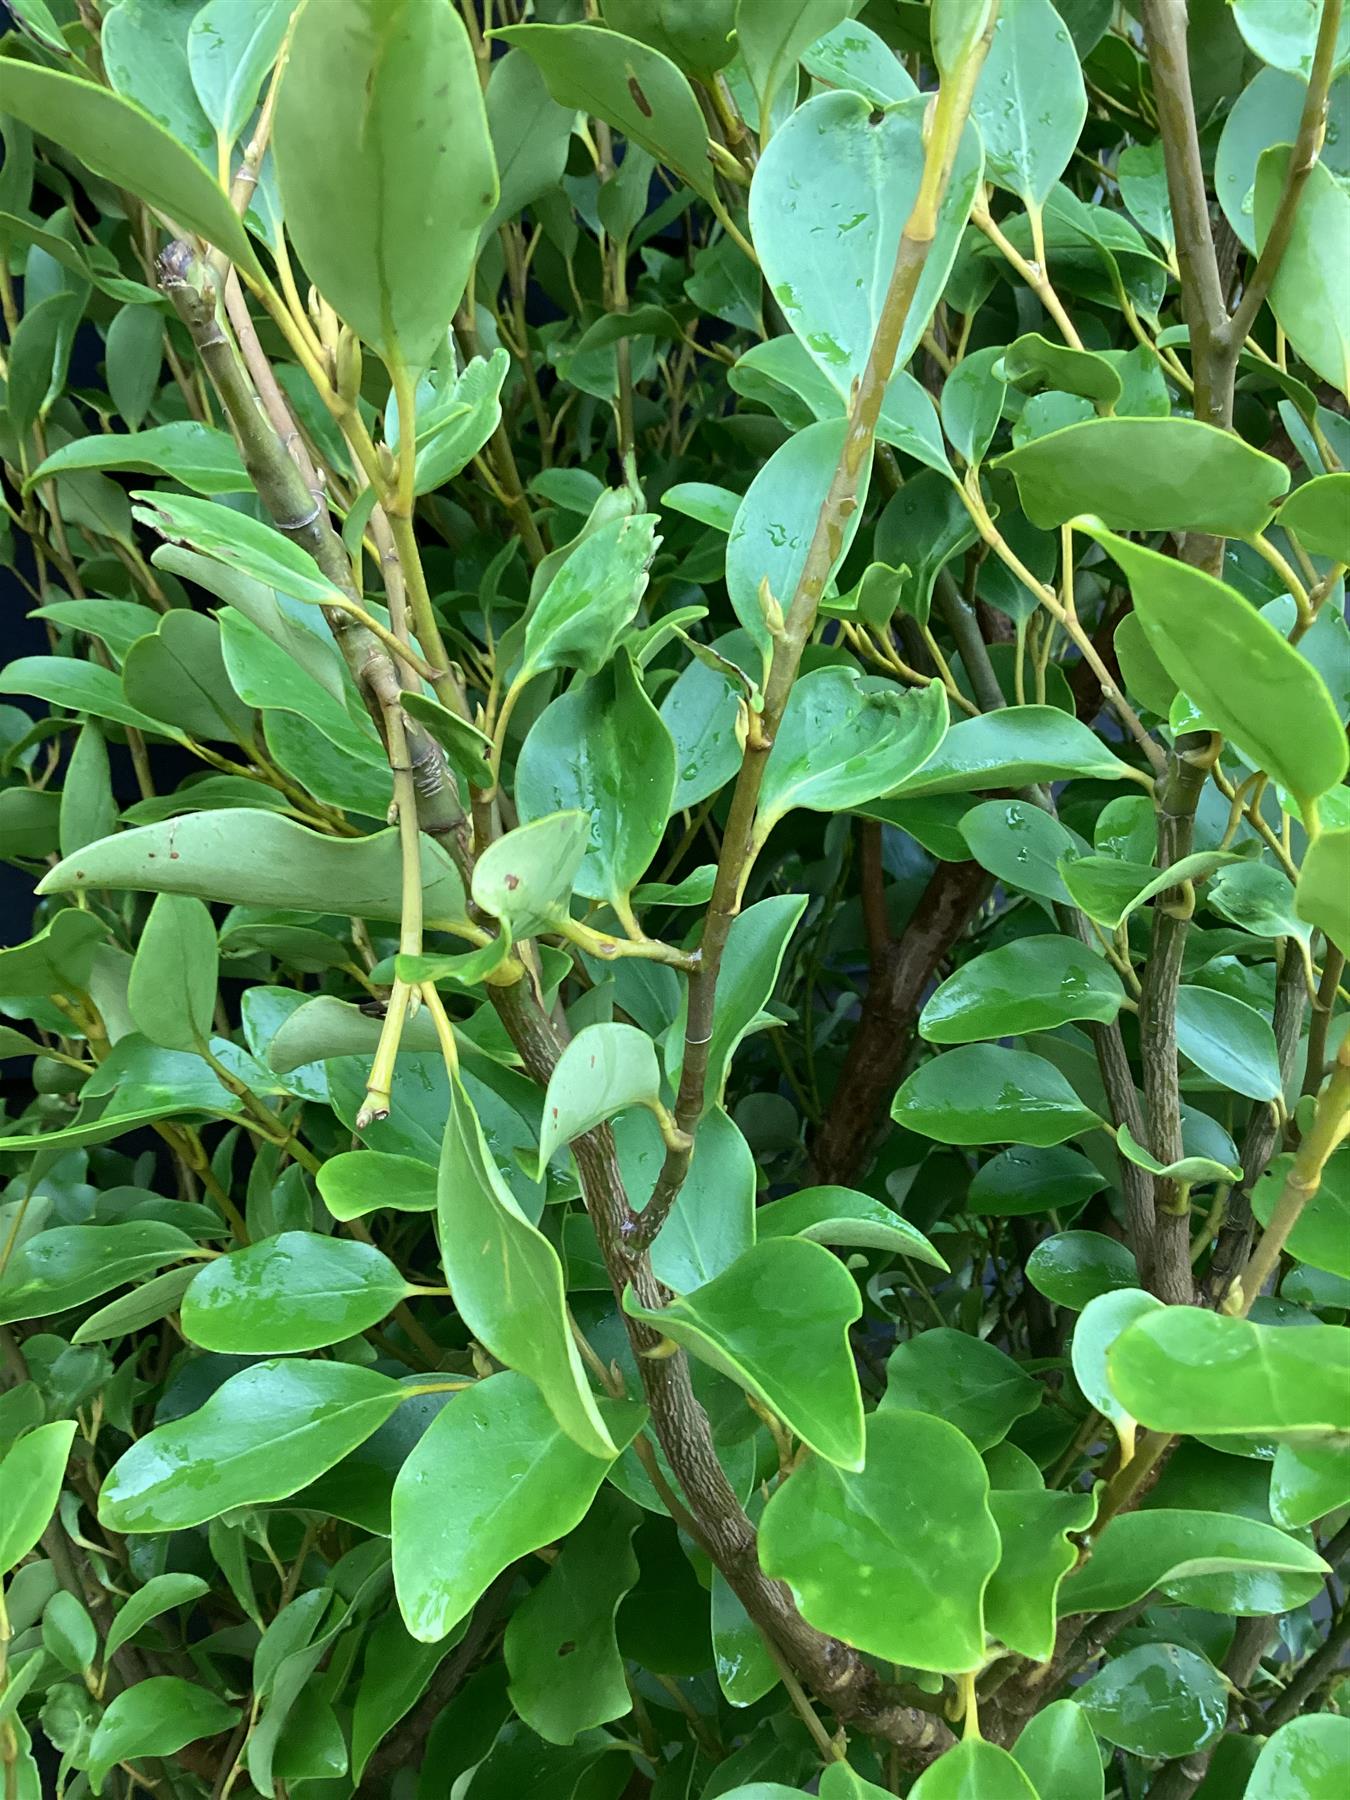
x,y
678,1083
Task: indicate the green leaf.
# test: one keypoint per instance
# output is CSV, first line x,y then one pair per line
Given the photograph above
x,y
971,1384
263,675
177,675
1033,984
1100,1323
1022,845
492,1479
772,35
974,1770
32,1472
1059,1753
155,1717
264,1434
117,140
853,56
753,956
1321,1234
1012,748
632,87
603,749
1030,102
1304,1760
201,457
469,749
1074,1267
506,1280
1246,679
580,616
231,46
1308,1481
828,203
567,1675
159,1595
1257,898
69,1264
893,1559
172,991
1317,514
844,738
775,523
1147,475
1166,1549
1305,298
983,1094
1285,36
296,1291
1109,889
799,1364
1321,896
246,546
713,1219
1231,1041
1018,1182
530,134
386,167
151,1300
81,686
356,1182
1203,1373
1156,1700
841,1215
245,857
395,1672
524,878
1033,363
1019,1603
604,1070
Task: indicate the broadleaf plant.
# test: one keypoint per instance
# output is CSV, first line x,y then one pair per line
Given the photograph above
x,y
674,767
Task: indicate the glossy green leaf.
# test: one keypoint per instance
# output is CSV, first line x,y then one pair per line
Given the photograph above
x,y
245,545
567,1675
1156,1700
1072,1268
972,1384
799,1364
974,1770
246,857
262,1436
983,1094
1037,1553
828,204
81,686
1021,1181
1257,898
126,146
1013,748
155,1717
1166,1549
201,457
1033,984
775,522
296,1291
772,35
492,1479
356,1182
1305,297
159,1595
1231,1041
1321,1234
1109,889
1099,1324
1247,680
603,749
524,877
1307,1481
1304,1760
604,1070
1059,1754
713,1219
1318,513
386,217
1321,896
70,1264
1148,475
32,1472
579,617
506,1280
1033,363
172,991
842,1215
1030,103
753,956
633,87
844,739
1021,844
894,1559
1200,1372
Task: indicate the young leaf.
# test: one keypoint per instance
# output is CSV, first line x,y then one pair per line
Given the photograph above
x,y
159,1595
506,1279
896,1557
155,1717
172,991
604,1070
296,1291
492,1478
1100,1323
262,1436
385,165
798,1364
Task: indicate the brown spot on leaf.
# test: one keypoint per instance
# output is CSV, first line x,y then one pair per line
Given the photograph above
x,y
640,100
